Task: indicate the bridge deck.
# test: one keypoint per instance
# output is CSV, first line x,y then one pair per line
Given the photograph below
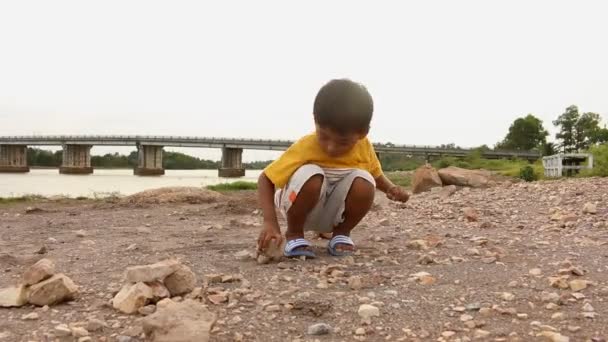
x,y
251,144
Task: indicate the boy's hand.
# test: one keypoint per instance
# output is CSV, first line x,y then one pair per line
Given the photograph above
x,y
397,193
269,233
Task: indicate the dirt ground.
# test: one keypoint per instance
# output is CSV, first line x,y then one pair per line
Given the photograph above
x,y
487,253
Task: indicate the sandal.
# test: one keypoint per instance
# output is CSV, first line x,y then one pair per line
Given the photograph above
x,y
293,249
340,240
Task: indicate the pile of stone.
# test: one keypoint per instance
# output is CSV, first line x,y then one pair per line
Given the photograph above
x,y
148,284
426,178
40,286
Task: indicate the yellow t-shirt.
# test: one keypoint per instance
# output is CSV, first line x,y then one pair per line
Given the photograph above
x,y
308,151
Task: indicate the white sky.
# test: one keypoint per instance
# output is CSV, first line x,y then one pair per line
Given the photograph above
x,y
439,71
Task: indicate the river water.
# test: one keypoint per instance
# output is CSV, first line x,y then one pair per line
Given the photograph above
x,y
48,182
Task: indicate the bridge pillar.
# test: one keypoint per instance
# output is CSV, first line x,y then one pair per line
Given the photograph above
x,y
149,161
76,160
13,158
232,163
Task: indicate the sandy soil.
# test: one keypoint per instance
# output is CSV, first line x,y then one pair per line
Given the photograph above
x,y
488,255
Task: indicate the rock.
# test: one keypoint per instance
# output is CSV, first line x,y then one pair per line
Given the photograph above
x,y
554,337
355,283
417,244
272,252
466,318
462,177
32,210
384,222
179,322
123,338
62,330
590,208
367,311
57,289
535,272
423,278
159,290
272,308
147,310
425,178
360,332
426,260
150,273
559,282
448,191
181,281
481,334
507,296
95,324
132,297
588,308
42,270
243,255
217,299
32,316
578,285
79,332
550,297
470,214
319,329
13,297
81,233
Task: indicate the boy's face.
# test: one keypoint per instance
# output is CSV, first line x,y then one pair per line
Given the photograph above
x,y
335,144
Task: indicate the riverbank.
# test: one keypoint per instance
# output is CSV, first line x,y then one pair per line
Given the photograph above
x,y
495,262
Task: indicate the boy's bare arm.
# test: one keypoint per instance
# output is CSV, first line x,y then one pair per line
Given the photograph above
x,y
271,229
392,191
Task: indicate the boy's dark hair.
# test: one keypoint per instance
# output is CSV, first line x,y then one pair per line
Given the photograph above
x,y
344,106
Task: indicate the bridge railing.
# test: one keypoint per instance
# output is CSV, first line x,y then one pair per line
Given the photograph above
x,y
244,141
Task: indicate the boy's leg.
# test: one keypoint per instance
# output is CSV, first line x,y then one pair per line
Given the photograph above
x,y
349,200
357,204
305,202
300,197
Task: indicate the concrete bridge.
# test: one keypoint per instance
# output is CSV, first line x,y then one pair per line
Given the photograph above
x,y
77,156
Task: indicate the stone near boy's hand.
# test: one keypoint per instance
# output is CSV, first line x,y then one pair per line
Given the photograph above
x,y
398,193
267,235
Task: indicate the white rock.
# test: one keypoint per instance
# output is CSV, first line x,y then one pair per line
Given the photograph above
x,y
319,329
179,322
57,289
32,316
182,281
150,273
62,330
42,270
367,311
132,297
13,297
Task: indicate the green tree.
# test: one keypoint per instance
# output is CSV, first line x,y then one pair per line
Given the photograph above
x,y
549,149
567,124
587,127
579,132
525,134
600,136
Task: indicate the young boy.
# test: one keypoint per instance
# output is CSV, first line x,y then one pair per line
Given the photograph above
x,y
326,181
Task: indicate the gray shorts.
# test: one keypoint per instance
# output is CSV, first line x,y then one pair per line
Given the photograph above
x,y
329,211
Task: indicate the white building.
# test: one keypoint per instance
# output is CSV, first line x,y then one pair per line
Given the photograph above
x,y
571,163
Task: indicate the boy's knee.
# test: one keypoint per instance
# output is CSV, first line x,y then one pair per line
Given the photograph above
x,y
313,185
362,189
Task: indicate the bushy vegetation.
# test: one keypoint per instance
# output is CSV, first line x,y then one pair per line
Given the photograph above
x,y
600,161
233,186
